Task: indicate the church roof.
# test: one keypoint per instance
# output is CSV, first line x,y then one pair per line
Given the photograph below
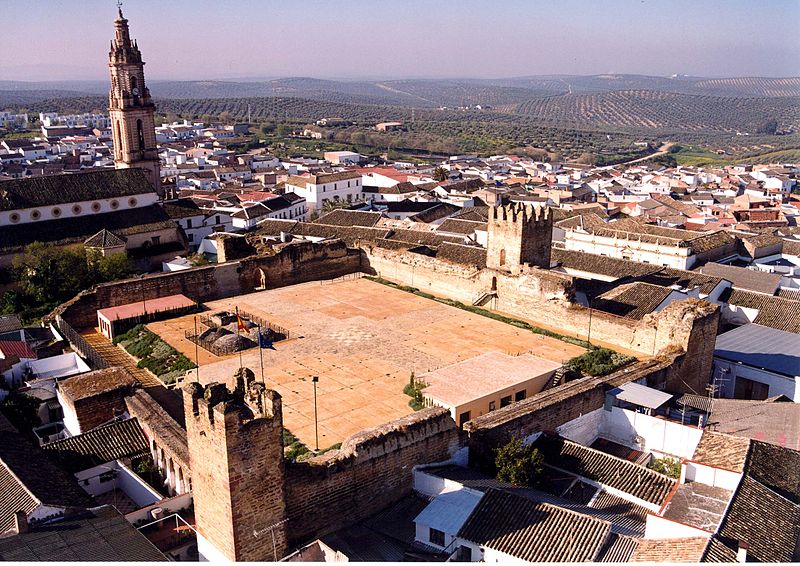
x,y
77,229
104,239
64,189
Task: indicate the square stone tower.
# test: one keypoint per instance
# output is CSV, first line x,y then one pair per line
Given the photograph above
x,y
519,234
236,457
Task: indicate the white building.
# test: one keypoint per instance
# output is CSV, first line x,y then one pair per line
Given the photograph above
x,y
319,189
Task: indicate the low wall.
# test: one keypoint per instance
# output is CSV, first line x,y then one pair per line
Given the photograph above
x,y
657,434
709,475
371,470
169,505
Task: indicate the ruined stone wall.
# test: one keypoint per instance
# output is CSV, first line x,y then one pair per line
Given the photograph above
x,y
294,263
372,470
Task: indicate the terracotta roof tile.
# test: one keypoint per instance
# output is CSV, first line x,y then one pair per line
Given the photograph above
x,y
688,549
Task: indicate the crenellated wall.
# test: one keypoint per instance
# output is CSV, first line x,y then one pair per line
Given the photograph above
x,y
370,471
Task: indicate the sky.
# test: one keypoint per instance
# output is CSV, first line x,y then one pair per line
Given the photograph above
x,y
381,39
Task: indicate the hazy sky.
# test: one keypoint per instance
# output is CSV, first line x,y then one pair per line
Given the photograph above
x,y
212,39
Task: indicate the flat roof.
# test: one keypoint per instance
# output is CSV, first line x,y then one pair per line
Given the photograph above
x,y
640,395
449,511
762,347
483,375
139,308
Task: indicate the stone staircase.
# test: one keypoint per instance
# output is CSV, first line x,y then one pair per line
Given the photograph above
x,y
484,298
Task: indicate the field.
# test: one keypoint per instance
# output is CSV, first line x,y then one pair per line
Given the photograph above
x,y
363,340
595,119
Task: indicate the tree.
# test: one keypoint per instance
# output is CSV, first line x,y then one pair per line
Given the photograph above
x,y
282,130
518,463
440,174
22,410
225,117
50,273
769,127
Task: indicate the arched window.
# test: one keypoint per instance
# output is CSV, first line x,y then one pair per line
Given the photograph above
x,y
502,257
140,134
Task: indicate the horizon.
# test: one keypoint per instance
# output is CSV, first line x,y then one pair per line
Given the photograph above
x,y
359,41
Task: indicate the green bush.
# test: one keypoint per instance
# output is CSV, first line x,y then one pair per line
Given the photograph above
x,y
154,354
518,463
601,361
293,449
414,390
668,466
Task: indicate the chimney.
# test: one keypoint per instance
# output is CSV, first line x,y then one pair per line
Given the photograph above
x,y
20,522
741,552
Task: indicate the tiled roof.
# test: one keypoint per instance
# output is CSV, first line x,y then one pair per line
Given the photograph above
x,y
768,421
77,187
605,469
743,278
100,534
766,521
716,551
466,227
170,431
76,229
104,239
182,208
399,188
302,180
342,217
533,531
465,255
722,451
95,383
28,479
688,549
477,213
776,312
348,234
632,300
9,322
618,548
17,349
620,268
100,445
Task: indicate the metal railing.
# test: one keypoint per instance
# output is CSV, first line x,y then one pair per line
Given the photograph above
x,y
80,345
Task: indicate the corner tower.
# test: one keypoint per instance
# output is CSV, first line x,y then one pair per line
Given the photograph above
x,y
235,443
519,234
130,107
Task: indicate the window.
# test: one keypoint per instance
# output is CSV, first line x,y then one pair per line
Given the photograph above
x,y
76,209
114,204
190,237
56,212
520,395
505,401
348,184
463,417
502,257
188,222
156,240
334,186
492,405
95,207
217,220
436,537
14,217
464,554
35,215
140,134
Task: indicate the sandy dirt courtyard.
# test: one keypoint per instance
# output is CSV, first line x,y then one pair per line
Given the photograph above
x,y
363,340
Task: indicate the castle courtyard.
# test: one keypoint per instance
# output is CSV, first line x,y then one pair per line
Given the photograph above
x,y
363,340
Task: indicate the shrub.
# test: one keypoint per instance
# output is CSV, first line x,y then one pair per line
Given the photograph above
x,y
414,390
518,463
668,466
601,361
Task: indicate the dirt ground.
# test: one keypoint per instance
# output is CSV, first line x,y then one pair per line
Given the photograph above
x,y
363,340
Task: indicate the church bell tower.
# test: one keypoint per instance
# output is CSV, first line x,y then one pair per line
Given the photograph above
x,y
130,107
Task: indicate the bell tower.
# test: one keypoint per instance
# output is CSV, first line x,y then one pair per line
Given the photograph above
x,y
130,107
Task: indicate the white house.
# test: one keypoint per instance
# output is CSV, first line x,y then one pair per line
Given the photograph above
x,y
318,189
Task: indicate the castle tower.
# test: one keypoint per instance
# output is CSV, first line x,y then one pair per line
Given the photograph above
x,y
130,107
519,234
235,443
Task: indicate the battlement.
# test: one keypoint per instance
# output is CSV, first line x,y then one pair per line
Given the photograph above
x,y
247,402
520,213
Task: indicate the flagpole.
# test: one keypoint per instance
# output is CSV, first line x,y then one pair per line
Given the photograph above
x,y
261,355
238,337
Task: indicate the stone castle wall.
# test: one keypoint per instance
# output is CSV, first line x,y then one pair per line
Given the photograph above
x,y
371,470
293,263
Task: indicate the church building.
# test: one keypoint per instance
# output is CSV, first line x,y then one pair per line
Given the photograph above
x,y
108,210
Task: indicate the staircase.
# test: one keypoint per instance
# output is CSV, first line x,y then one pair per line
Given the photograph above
x,y
484,298
558,379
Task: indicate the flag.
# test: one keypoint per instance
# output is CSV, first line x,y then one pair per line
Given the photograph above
x,y
264,341
239,322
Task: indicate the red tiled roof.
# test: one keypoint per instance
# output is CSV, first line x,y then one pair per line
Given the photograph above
x,y
139,308
16,349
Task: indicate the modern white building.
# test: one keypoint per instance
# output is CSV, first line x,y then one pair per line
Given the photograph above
x,y
757,362
319,189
